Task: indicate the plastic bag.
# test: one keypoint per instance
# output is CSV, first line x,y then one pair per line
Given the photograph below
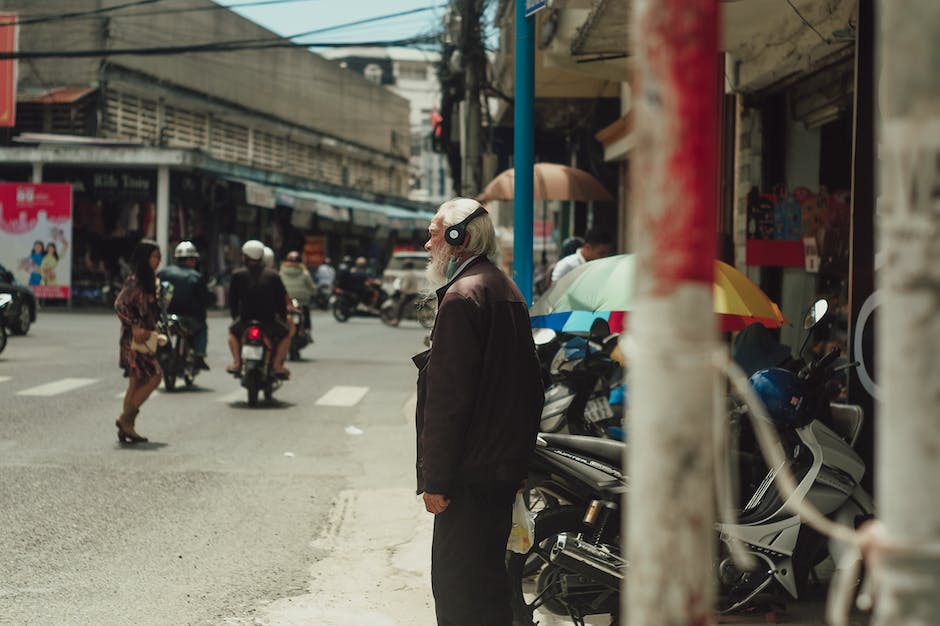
x,y
522,533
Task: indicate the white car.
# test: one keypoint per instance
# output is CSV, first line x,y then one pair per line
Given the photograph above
x,y
408,266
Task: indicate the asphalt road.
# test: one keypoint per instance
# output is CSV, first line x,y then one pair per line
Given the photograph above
x,y
231,514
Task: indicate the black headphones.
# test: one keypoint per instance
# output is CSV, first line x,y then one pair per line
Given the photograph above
x,y
457,234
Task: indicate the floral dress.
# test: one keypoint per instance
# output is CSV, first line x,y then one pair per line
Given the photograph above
x,y
136,308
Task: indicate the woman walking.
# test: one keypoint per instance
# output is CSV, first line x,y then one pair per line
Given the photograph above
x,y
137,306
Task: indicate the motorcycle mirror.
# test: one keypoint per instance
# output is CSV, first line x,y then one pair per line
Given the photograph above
x,y
543,336
816,313
813,316
600,329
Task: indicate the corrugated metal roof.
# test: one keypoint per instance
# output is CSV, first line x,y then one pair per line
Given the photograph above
x,y
56,95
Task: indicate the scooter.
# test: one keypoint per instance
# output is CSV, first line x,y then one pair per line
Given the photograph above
x,y
412,306
257,370
580,484
346,304
177,357
302,337
581,375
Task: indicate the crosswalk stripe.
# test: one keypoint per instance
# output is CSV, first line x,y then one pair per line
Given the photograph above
x,y
57,387
342,396
4,379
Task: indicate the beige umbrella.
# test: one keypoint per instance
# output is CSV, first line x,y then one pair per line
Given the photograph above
x,y
553,181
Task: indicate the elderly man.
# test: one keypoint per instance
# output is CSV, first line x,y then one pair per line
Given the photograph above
x,y
479,401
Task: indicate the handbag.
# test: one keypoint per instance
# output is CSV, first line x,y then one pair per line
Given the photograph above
x,y
146,347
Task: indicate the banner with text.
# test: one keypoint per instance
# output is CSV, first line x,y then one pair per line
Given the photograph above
x,y
35,233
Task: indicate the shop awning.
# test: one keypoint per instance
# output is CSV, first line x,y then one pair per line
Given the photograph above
x,y
359,212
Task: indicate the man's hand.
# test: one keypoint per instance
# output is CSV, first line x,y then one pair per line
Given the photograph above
x,y
435,502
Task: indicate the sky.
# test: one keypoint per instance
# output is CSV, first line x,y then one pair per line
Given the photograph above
x,y
290,17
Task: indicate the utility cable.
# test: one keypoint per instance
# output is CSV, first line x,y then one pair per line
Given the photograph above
x,y
805,21
209,47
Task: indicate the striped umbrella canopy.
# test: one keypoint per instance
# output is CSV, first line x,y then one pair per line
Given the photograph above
x,y
604,288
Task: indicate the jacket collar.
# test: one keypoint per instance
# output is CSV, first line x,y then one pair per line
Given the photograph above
x,y
466,265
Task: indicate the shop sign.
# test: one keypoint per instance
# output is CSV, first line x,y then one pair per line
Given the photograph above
x,y
36,235
107,181
534,6
314,249
779,224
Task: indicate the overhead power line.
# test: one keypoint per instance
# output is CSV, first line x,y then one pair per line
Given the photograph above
x,y
211,47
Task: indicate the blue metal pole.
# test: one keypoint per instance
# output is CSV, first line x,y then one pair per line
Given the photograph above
x,y
523,213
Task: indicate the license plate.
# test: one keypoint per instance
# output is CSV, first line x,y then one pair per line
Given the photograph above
x,y
252,352
598,410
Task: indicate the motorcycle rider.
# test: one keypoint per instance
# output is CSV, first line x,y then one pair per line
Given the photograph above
x,y
257,293
298,282
326,274
364,285
191,296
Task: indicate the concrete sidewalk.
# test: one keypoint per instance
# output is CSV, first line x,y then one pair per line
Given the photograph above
x,y
375,549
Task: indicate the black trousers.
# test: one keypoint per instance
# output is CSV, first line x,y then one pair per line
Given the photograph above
x,y
468,570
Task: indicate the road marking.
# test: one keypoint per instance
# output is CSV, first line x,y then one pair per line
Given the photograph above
x,y
342,396
59,386
4,379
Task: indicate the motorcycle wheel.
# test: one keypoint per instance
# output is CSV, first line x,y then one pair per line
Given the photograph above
x,y
22,322
169,372
388,316
252,385
340,313
548,524
268,391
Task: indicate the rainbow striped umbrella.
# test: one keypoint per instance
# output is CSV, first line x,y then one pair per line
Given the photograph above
x,y
604,289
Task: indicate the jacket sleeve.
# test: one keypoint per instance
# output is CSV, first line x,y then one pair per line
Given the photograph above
x,y
452,386
311,286
280,302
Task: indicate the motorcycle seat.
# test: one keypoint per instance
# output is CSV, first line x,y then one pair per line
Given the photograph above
x,y
607,450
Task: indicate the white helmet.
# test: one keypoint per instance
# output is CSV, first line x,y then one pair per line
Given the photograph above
x,y
268,256
186,250
253,249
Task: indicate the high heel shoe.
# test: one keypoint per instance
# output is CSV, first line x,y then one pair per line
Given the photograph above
x,y
126,433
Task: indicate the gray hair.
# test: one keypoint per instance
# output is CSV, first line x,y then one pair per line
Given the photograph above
x,y
482,233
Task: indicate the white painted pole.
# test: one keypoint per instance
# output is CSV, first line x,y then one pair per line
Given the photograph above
x,y
163,210
908,337
672,381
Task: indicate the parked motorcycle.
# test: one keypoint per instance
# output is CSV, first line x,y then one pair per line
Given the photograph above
x,y
257,370
346,304
5,301
579,480
177,357
411,306
581,375
303,336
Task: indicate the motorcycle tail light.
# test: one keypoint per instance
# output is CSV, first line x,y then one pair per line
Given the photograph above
x,y
254,333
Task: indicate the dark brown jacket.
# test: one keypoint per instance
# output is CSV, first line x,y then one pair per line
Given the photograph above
x,y
479,386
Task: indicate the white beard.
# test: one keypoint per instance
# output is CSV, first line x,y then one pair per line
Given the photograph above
x,y
436,271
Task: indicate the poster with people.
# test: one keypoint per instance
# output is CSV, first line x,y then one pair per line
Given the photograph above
x,y
35,236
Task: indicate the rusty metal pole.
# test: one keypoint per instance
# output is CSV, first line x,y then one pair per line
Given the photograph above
x,y
670,508
908,337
